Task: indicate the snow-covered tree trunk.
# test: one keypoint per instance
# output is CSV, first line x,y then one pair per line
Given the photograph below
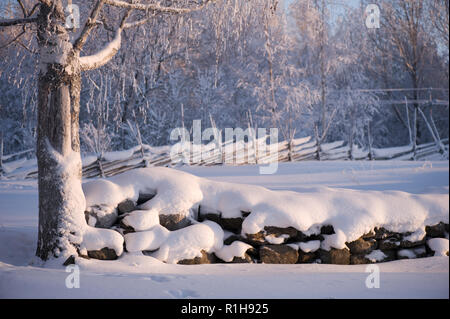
x,y
61,200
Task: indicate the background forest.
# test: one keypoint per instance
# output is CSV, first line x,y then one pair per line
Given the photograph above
x,y
308,67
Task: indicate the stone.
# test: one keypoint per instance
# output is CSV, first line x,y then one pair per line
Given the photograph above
x,y
304,238
278,231
174,221
359,260
126,206
103,254
390,255
362,246
70,261
229,240
245,214
210,216
369,235
365,259
436,231
253,253
327,230
335,256
231,224
411,244
383,233
257,239
206,258
306,258
143,198
239,260
125,229
389,244
289,233
278,254
101,216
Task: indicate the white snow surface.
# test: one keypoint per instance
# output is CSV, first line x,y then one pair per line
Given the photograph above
x,y
439,246
135,275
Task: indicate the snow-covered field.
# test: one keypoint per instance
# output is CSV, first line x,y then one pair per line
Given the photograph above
x,y
137,276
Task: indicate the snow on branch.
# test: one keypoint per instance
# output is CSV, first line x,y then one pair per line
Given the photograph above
x,y
154,6
102,57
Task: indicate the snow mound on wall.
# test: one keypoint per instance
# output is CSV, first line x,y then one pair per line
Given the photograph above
x,y
142,220
175,191
173,246
147,240
439,246
98,238
376,256
236,249
187,243
352,213
310,246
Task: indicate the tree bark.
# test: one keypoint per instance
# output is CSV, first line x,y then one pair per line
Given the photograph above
x,y
58,145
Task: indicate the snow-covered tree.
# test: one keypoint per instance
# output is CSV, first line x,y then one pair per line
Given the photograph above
x,y
61,63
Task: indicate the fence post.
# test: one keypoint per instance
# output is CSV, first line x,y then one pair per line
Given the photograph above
x,y
436,130
436,140
414,146
408,121
318,142
369,138
99,164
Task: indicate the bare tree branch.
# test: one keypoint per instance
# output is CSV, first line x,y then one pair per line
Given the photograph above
x,y
88,26
13,40
136,23
12,22
24,10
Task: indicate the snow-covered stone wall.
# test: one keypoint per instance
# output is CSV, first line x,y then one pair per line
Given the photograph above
x,y
180,218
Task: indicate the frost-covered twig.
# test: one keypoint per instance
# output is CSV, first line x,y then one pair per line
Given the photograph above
x,y
154,6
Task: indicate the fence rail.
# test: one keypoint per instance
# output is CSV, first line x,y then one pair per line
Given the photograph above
x,y
303,149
